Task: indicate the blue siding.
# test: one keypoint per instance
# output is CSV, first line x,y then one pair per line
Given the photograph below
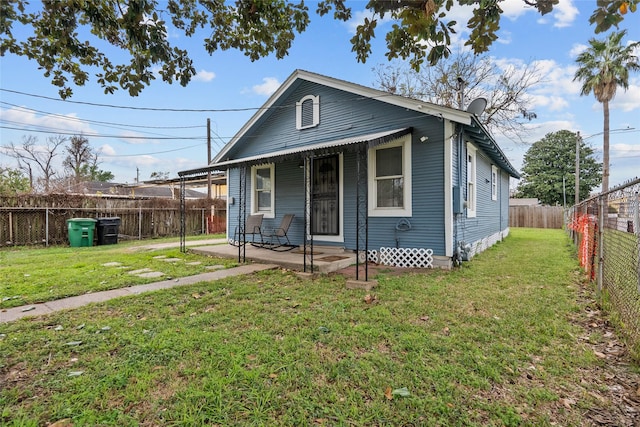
x,y
342,115
491,215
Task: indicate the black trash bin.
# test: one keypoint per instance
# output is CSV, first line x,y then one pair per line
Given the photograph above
x,y
107,229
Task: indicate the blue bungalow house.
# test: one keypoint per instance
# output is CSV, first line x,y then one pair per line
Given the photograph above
x,y
400,181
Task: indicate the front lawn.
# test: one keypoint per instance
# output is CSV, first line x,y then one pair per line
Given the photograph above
x,y
31,275
492,343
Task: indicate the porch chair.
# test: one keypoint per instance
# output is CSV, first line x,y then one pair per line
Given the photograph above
x,y
252,227
278,238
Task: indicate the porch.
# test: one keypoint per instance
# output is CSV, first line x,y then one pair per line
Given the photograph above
x,y
324,260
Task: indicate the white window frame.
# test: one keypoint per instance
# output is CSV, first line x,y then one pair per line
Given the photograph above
x,y
406,210
494,182
316,112
254,190
472,183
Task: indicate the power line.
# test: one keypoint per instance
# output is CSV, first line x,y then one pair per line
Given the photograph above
x,y
148,154
100,122
94,104
189,110
95,135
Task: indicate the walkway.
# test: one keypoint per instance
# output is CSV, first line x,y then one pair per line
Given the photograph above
x,y
16,313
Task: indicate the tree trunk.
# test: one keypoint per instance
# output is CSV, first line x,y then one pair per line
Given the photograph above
x,y
605,148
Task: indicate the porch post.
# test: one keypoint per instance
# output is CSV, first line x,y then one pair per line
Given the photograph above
x,y
362,206
242,211
308,213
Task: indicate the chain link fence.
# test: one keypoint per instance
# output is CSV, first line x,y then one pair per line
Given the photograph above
x,y
20,225
606,230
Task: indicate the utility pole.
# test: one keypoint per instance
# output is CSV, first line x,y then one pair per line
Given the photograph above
x,y
578,144
209,158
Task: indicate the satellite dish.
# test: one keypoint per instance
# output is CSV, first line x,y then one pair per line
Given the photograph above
x,y
477,106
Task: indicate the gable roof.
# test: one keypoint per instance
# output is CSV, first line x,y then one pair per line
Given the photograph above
x,y
471,126
452,114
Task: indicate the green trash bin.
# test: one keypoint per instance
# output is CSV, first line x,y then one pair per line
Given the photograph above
x,y
81,231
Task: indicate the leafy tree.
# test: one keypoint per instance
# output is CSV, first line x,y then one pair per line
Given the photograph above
x,y
81,162
37,161
258,28
13,181
465,77
553,158
604,66
159,175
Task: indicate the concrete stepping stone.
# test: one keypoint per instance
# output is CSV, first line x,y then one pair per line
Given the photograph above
x,y
160,257
172,259
140,271
194,263
214,267
112,264
151,274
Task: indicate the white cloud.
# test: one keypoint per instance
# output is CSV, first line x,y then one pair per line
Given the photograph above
x,y
564,13
106,150
204,76
625,150
268,86
556,83
577,49
135,138
627,101
513,9
29,120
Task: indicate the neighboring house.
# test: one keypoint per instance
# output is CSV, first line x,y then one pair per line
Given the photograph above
x,y
144,191
409,182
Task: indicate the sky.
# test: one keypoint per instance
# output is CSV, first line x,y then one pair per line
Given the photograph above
x,y
133,141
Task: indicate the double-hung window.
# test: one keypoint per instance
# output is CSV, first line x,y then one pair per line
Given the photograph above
x,y
263,194
390,178
494,182
471,181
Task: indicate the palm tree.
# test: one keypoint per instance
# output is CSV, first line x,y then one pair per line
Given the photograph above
x,y
604,66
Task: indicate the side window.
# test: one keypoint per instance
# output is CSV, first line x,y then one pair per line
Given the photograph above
x,y
263,194
308,112
471,181
390,178
494,182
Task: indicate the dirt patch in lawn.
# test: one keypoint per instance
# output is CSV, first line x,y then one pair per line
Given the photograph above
x,y
616,380
377,270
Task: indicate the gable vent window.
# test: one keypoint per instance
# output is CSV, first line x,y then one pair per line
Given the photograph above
x,y
308,112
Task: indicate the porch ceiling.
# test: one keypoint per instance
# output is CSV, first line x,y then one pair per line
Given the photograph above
x,y
372,140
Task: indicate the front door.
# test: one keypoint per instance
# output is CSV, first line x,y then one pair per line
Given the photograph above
x,y
325,190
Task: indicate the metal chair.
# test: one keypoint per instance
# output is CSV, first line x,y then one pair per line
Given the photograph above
x,y
252,227
278,238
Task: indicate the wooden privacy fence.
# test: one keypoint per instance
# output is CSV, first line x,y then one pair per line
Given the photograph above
x,y
23,222
48,226
536,216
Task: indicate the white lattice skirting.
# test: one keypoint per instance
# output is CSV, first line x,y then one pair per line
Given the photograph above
x,y
403,257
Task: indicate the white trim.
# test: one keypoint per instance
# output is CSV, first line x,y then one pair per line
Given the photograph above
x,y
340,237
316,112
254,202
472,180
406,210
494,182
448,193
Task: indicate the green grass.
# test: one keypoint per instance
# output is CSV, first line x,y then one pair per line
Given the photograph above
x,y
45,274
488,344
